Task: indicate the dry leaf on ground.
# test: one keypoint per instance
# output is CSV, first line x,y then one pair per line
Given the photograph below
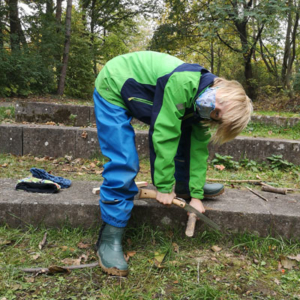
x,y
219,167
288,263
175,247
36,256
297,257
71,261
129,254
84,135
81,245
216,248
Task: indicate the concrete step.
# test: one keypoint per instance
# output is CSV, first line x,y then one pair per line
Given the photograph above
x,y
79,115
235,210
58,141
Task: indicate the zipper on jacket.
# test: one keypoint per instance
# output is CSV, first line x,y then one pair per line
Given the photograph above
x,y
140,100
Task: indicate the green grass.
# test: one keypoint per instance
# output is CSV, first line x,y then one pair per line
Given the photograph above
x,y
246,267
276,114
90,169
272,131
7,113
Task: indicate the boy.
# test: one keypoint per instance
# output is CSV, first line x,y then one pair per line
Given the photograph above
x,y
178,101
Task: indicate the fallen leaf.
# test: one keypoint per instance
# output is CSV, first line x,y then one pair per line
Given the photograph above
x,y
175,247
297,257
36,256
288,263
84,135
99,172
16,286
158,259
4,165
176,281
219,167
71,261
68,157
5,242
50,123
83,246
131,253
57,269
92,165
216,248
29,279
83,257
277,281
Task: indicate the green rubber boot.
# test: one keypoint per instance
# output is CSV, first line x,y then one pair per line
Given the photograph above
x,y
210,190
110,252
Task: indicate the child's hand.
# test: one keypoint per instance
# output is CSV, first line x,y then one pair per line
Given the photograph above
x,y
165,198
197,204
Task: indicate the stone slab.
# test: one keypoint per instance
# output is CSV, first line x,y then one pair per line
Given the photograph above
x,y
60,113
10,205
11,139
49,140
41,112
87,144
258,149
58,141
236,210
279,121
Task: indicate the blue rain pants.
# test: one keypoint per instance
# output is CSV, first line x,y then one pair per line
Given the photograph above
x,y
117,142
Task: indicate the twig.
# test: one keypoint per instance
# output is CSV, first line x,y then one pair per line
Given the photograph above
x,y
234,181
258,195
46,270
43,242
198,274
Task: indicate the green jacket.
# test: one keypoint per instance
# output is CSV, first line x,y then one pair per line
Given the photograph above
x,y
161,90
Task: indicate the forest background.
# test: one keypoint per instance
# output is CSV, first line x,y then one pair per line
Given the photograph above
x,y
58,47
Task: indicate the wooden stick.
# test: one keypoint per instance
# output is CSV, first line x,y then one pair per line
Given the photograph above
x,y
46,270
190,228
43,242
233,181
96,191
258,195
272,189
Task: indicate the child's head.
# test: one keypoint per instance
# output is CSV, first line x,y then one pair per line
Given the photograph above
x,y
236,110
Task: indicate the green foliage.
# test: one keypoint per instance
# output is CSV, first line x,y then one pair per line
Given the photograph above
x,y
296,83
24,74
277,163
226,161
80,75
249,164
7,113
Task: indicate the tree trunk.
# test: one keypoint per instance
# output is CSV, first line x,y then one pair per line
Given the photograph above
x,y
16,33
58,11
1,24
13,22
62,79
287,48
212,57
49,7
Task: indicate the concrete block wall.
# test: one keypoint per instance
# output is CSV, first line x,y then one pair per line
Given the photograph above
x,y
57,141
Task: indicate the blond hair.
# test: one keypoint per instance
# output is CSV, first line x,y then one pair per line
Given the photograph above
x,y
237,113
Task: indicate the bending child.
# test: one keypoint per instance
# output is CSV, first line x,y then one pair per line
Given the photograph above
x,y
179,101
